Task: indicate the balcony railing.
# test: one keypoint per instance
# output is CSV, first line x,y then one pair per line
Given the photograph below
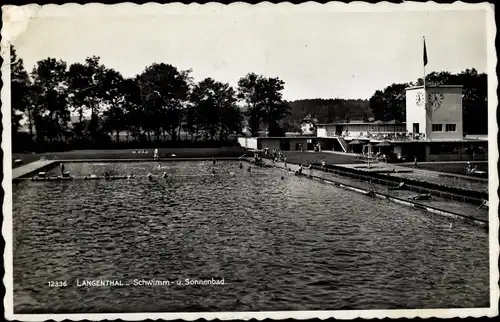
x,y
388,136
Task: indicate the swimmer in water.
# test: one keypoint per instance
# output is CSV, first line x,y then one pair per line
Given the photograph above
x,y
231,173
164,175
150,177
213,160
130,176
213,172
249,169
282,178
241,165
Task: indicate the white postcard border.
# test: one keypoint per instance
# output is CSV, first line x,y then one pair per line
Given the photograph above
x,y
15,20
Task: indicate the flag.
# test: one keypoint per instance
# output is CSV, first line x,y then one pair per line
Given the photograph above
x,y
425,54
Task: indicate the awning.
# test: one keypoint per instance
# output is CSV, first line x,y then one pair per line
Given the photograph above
x,y
353,142
384,143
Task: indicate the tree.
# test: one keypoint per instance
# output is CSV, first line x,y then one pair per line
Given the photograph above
x,y
164,90
51,115
87,92
132,117
264,100
20,98
390,103
247,91
475,100
114,98
214,109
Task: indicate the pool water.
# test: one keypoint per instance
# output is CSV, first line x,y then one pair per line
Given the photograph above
x,y
286,243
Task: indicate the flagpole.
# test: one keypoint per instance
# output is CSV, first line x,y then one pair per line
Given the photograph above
x,y
425,92
424,63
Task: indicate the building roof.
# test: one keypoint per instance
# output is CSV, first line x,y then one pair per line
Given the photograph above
x,y
392,122
308,118
434,86
305,137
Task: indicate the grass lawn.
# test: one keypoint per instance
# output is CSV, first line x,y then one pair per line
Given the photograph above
x,y
127,154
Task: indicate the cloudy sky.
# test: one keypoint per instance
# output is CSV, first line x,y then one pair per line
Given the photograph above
x,y
318,53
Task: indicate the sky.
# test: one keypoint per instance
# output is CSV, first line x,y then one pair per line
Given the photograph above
x,y
317,53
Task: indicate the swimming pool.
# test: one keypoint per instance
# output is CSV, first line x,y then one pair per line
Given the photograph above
x,y
279,244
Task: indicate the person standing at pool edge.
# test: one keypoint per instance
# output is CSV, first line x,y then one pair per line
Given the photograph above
x,y
62,169
155,155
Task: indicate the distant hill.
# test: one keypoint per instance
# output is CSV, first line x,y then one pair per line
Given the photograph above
x,y
329,110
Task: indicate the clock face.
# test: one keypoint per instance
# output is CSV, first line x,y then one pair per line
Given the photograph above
x,y
435,99
420,99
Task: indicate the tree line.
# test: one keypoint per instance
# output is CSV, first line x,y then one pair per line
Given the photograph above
x,y
152,108
328,110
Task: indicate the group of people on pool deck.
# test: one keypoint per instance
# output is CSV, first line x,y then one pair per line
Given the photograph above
x,y
274,155
471,169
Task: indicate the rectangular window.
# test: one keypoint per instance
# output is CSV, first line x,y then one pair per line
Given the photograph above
x,y
437,127
451,127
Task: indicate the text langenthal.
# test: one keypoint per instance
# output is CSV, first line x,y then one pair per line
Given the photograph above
x,y
149,282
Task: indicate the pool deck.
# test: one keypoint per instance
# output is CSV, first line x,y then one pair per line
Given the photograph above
x,y
450,208
31,168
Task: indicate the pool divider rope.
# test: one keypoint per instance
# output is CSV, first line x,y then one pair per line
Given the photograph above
x,y
124,177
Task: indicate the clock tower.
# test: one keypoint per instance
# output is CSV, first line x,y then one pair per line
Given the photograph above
x,y
435,112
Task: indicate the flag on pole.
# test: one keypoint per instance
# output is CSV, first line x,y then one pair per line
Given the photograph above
x,y
425,54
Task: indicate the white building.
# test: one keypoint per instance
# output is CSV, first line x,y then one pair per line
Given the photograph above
x,y
433,131
308,125
435,112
